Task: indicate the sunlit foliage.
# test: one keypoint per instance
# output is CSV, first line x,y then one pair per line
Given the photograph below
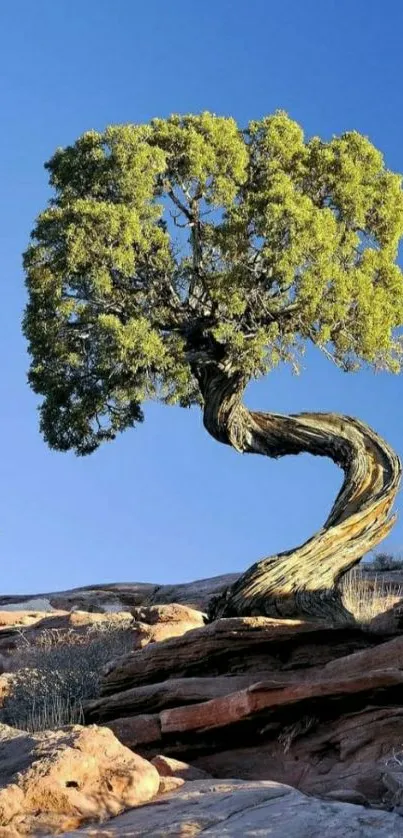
x,y
188,242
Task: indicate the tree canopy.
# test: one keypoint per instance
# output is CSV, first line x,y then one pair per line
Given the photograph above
x,y
190,242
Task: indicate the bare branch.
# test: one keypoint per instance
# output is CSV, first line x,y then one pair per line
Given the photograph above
x,y
178,203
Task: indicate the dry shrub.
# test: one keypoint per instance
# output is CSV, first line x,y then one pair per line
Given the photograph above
x,y
56,673
366,598
383,562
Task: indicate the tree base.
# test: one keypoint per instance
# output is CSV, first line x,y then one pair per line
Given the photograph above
x,y
259,593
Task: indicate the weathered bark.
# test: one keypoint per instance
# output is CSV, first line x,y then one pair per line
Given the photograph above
x,y
304,582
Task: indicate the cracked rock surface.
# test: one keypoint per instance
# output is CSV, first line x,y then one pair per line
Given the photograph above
x,y
242,809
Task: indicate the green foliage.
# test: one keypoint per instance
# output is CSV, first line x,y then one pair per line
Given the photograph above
x,y
189,242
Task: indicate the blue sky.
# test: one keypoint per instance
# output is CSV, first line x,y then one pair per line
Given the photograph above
x,y
165,502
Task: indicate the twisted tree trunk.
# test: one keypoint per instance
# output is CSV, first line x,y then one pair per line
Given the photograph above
x,y
303,583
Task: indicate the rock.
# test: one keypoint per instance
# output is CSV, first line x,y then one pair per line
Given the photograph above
x,y
389,654
221,712
32,604
196,594
122,596
341,750
108,601
389,622
315,719
318,718
13,618
393,781
182,691
107,597
171,613
245,810
137,730
347,796
159,622
168,767
169,784
236,645
173,693
311,706
59,780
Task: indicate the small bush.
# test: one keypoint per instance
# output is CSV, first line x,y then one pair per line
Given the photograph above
x,y
382,562
58,672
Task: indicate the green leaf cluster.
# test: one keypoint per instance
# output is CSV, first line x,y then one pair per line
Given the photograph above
x,y
189,242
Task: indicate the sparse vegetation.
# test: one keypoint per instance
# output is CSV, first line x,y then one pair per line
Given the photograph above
x,y
293,731
366,598
383,562
57,673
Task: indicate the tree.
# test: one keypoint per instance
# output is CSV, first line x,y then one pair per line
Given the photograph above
x,y
176,261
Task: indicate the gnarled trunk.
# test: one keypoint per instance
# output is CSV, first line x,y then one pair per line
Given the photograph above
x,y
304,582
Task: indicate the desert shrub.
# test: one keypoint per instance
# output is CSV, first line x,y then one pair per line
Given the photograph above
x,y
384,561
366,598
58,672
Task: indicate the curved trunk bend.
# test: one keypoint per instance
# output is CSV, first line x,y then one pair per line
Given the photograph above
x,y
302,583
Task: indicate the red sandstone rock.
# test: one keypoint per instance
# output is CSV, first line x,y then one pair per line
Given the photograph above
x,y
315,707
238,644
137,730
319,756
175,692
385,655
169,767
221,712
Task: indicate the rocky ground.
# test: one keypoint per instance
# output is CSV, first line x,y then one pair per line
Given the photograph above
x,y
308,720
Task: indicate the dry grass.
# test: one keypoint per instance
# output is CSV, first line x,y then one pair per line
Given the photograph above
x,y
366,598
57,673
298,728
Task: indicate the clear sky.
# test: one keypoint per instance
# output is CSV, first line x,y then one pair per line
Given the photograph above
x,y
166,503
